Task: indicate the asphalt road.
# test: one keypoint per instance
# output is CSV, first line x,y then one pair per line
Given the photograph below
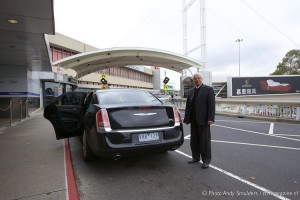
x,y
250,160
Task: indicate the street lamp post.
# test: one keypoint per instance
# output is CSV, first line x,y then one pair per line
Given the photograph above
x,y
239,41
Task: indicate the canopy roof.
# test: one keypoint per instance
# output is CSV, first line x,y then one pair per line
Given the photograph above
x,y
88,62
23,41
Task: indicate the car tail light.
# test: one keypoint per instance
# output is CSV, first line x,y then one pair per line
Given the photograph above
x,y
102,119
177,116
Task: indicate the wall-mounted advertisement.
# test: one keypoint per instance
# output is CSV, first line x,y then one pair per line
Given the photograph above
x,y
242,86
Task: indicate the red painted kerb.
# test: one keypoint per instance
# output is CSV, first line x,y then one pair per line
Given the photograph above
x,y
71,183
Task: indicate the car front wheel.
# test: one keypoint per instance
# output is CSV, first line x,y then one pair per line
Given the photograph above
x,y
86,152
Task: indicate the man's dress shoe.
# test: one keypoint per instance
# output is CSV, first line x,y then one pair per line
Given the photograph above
x,y
205,165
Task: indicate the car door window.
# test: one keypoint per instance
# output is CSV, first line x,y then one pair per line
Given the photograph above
x,y
91,107
87,101
66,114
70,98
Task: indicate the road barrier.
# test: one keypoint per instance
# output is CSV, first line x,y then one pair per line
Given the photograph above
x,y
283,109
13,112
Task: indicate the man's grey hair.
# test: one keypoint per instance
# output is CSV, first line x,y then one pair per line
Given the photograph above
x,y
197,74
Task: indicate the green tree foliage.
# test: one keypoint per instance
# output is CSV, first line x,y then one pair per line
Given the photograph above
x,y
290,64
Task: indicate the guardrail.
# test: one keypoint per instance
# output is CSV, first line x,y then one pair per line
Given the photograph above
x,y
13,112
285,109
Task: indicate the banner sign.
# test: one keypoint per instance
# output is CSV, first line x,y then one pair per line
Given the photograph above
x,y
242,86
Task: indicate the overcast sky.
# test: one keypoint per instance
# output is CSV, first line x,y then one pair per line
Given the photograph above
x,y
269,29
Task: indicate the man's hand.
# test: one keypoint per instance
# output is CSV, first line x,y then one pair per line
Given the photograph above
x,y
210,122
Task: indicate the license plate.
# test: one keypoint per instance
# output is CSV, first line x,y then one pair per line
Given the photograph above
x,y
146,137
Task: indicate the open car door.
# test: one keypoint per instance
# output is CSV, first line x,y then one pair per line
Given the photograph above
x,y
66,114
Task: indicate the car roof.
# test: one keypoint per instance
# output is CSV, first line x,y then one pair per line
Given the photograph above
x,y
121,89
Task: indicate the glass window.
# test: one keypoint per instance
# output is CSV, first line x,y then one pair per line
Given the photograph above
x,y
59,54
66,54
55,55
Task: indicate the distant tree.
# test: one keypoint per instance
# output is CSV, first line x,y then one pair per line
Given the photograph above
x,y
290,64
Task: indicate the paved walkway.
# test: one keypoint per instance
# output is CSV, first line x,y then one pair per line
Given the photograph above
x,y
32,161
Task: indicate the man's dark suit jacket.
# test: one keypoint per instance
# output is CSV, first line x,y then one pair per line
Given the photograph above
x,y
204,105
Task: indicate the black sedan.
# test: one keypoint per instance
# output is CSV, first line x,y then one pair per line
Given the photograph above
x,y
117,122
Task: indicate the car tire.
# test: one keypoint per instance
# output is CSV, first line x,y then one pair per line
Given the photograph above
x,y
86,151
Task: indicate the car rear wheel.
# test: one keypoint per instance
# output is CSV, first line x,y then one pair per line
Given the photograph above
x,y
86,152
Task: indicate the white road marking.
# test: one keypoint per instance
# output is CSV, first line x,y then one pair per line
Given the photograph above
x,y
238,129
188,136
271,128
235,121
267,191
260,145
288,135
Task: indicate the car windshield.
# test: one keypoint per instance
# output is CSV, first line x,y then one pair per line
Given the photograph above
x,y
127,97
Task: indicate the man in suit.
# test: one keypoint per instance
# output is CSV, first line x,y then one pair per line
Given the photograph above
x,y
200,113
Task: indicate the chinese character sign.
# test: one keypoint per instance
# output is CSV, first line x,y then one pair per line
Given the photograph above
x,y
265,85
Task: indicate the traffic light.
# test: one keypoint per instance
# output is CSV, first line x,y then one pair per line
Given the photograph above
x,y
166,80
103,81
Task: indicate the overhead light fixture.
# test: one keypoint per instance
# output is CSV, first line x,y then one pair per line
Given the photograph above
x,y
12,21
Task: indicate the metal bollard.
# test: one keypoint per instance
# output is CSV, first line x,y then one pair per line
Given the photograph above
x,y
21,110
244,110
298,113
10,113
26,108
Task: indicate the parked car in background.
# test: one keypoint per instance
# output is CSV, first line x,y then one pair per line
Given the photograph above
x,y
118,122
